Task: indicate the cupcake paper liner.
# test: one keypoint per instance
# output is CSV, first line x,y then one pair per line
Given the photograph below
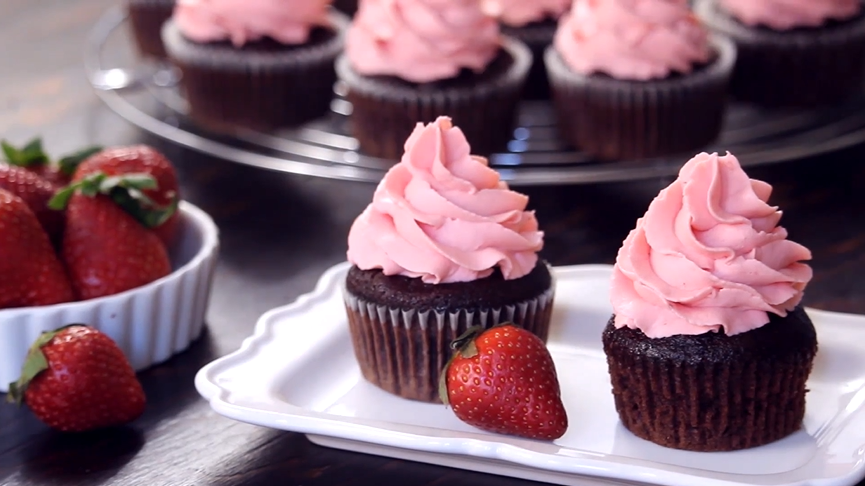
x,y
404,351
737,401
537,36
797,68
384,113
146,18
229,89
620,119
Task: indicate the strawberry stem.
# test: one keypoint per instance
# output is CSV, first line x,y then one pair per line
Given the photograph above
x,y
465,347
465,344
125,190
34,363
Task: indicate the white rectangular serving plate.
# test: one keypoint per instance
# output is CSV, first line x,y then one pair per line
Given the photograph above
x,y
298,373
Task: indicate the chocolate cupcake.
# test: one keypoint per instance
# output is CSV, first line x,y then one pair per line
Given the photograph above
x,y
457,65
444,246
635,82
533,23
262,67
801,53
146,18
709,348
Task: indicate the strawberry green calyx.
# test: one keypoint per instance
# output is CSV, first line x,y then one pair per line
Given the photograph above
x,y
33,155
34,363
463,346
125,190
69,163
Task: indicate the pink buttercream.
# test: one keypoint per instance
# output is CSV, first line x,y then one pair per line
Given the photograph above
x,y
708,254
632,39
518,13
789,14
443,215
422,40
242,21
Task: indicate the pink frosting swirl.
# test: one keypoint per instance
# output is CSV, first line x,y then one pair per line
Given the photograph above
x,y
242,21
632,39
708,254
789,14
518,13
443,215
422,40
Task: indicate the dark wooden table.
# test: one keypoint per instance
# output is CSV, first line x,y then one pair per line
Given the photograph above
x,y
279,233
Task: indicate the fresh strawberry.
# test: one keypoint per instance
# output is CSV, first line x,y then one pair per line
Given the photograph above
x,y
144,160
108,246
503,380
32,158
30,273
36,192
76,379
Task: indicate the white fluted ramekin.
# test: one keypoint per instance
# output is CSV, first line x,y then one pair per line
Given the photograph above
x,y
150,324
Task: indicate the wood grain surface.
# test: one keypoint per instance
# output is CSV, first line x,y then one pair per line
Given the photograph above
x,y
278,234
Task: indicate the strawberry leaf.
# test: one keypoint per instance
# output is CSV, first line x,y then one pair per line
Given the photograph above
x,y
143,208
464,346
69,163
132,181
126,190
60,199
443,382
90,186
28,156
34,363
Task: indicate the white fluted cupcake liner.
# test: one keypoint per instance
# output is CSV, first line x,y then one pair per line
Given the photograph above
x,y
150,324
404,350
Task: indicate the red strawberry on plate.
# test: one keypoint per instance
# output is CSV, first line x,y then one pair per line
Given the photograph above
x,y
108,244
76,379
34,159
140,159
503,380
30,272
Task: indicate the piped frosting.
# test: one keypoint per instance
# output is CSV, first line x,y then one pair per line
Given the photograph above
x,y
708,255
286,21
632,39
422,40
442,215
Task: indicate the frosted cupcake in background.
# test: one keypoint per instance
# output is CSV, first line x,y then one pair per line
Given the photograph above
x,y
146,18
793,52
638,79
444,246
709,348
255,64
411,61
534,23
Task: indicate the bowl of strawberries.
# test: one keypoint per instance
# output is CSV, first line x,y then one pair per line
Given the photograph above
x,y
101,238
